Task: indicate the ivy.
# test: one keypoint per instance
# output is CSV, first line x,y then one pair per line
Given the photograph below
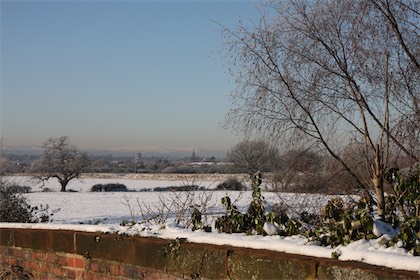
x,y
406,192
251,221
339,223
342,224
196,219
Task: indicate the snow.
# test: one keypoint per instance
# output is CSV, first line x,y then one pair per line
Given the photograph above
x,y
270,228
104,212
381,228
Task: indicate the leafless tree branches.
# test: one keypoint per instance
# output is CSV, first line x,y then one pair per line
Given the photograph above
x,y
330,73
62,161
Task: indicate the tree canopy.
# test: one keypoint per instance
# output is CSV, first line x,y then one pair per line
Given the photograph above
x,y
252,156
62,161
328,74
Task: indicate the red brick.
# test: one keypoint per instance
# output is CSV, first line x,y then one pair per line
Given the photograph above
x,y
94,265
81,275
44,267
8,260
116,269
92,276
70,261
69,274
106,277
79,262
17,253
56,271
34,266
98,266
51,257
28,254
25,263
40,256
56,260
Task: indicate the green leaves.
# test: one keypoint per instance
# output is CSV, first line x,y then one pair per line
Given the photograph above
x,y
342,225
236,222
409,235
406,192
196,220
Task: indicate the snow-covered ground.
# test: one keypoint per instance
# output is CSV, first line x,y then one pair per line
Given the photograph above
x,y
104,211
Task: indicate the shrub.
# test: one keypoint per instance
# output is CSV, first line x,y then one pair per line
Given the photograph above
x,y
96,188
233,221
14,208
18,189
404,203
406,192
344,223
253,220
184,188
109,188
340,223
409,236
232,185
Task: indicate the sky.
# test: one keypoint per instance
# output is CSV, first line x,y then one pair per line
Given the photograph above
x,y
132,75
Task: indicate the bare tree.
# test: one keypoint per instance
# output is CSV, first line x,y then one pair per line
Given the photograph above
x,y
299,170
329,73
301,160
253,156
62,161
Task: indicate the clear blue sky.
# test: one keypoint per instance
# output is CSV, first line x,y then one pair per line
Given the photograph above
x,y
117,74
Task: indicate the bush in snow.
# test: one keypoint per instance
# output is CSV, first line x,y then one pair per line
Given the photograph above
x,y
109,188
256,220
343,223
18,189
339,223
14,208
231,184
97,188
404,200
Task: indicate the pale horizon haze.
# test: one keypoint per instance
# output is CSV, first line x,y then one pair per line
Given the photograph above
x,y
118,75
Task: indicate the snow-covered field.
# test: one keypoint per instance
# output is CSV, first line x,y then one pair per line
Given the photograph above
x,y
104,211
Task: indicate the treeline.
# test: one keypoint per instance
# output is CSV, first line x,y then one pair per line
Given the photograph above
x,y
110,164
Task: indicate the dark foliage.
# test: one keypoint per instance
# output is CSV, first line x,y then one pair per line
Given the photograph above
x,y
109,188
18,189
235,222
14,208
231,184
184,188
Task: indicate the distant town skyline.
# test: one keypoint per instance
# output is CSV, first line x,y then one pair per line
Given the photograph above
x,y
158,152
118,76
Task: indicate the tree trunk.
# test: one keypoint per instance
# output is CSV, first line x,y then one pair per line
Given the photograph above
x,y
378,183
64,184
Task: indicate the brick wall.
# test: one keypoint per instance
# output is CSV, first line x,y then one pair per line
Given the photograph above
x,y
55,254
38,264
